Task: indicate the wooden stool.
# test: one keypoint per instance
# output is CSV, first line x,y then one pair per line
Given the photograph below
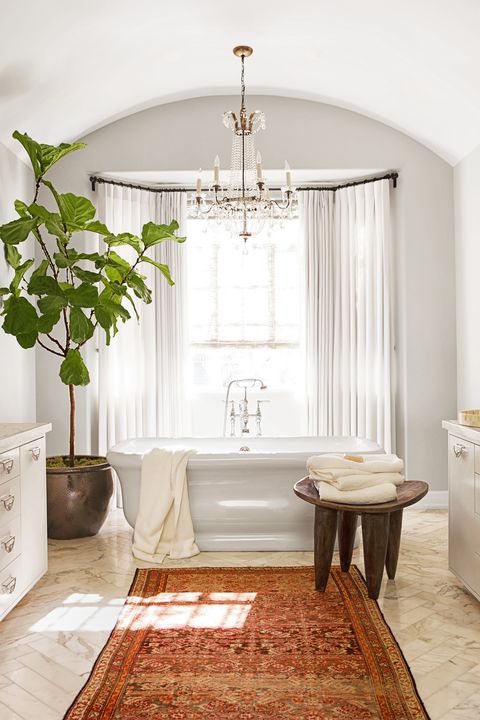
x,y
381,531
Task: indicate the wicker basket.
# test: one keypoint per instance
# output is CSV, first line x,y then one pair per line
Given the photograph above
x,y
469,417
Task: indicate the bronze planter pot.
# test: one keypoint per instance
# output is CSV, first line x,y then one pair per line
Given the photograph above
x,y
77,500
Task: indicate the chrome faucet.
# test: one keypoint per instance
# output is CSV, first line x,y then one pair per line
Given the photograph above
x,y
242,413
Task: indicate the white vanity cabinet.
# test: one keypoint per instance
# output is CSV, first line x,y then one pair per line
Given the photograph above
x,y
464,504
23,510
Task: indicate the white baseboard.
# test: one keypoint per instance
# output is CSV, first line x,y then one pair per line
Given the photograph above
x,y
433,500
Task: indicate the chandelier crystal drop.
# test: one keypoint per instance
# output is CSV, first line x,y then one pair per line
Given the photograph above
x,y
245,206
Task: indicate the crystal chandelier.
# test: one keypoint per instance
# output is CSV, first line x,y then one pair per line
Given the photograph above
x,y
245,206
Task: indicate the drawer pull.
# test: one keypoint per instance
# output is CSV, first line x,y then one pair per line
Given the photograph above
x,y
459,450
7,465
9,543
35,452
8,502
8,587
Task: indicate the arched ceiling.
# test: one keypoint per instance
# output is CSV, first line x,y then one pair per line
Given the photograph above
x,y
69,67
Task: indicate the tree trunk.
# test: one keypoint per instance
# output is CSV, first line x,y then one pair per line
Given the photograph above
x,y
71,459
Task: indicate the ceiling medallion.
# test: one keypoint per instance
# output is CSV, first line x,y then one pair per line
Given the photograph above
x,y
245,206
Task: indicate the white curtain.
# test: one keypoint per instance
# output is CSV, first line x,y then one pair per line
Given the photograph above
x,y
140,385
349,334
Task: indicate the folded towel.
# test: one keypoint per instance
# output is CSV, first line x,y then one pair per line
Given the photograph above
x,y
366,496
348,480
164,524
370,464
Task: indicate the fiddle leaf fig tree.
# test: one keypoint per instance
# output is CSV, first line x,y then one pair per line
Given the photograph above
x,y
60,301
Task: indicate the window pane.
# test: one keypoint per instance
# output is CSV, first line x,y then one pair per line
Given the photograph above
x,y
243,308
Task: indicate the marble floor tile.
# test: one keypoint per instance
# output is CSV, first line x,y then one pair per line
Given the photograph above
x,y
52,638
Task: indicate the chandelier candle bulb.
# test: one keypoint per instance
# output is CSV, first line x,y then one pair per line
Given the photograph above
x,y
288,176
199,186
216,170
259,168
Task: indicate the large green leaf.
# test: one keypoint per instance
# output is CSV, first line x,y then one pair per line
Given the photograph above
x,y
76,210
73,370
153,234
39,211
40,271
86,275
124,239
19,273
113,288
44,285
51,304
17,231
42,156
47,322
137,283
51,154
105,319
21,208
33,151
164,269
132,303
84,295
63,259
55,194
55,227
97,227
81,327
116,260
20,317
12,256
116,308
27,340
114,274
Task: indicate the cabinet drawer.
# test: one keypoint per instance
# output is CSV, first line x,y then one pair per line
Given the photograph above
x,y
10,542
9,465
11,585
9,499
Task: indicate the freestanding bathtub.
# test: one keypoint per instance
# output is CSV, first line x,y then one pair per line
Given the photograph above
x,y
240,489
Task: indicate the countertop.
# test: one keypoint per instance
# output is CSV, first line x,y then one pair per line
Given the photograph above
x,y
465,431
14,434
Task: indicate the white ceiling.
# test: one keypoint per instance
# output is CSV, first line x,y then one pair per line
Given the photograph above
x,y
67,68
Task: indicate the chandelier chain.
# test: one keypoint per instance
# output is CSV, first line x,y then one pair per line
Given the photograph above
x,y
243,83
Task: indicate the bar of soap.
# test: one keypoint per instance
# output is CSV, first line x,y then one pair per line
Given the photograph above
x,y
355,458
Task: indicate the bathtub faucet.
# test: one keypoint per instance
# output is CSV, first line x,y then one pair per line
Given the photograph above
x,y
243,413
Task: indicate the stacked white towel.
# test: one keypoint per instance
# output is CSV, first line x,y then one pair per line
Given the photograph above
x,y
369,479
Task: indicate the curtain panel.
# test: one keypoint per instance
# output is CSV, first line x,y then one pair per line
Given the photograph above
x,y
348,322
140,380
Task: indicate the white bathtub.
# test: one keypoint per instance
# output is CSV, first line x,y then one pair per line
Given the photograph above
x,y
239,500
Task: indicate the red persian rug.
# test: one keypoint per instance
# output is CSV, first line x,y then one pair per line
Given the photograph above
x,y
249,644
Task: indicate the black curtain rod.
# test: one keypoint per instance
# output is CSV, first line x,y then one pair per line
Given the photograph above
x,y
389,176
96,179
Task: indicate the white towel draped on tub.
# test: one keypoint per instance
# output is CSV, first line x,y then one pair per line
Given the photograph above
x,y
164,524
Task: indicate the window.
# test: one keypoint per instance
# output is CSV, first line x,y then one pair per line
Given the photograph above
x,y
244,307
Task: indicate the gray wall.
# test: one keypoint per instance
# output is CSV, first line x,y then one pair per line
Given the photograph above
x,y
186,135
467,237
17,366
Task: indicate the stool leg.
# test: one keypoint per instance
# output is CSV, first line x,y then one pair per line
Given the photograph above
x,y
393,547
375,539
347,527
324,541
